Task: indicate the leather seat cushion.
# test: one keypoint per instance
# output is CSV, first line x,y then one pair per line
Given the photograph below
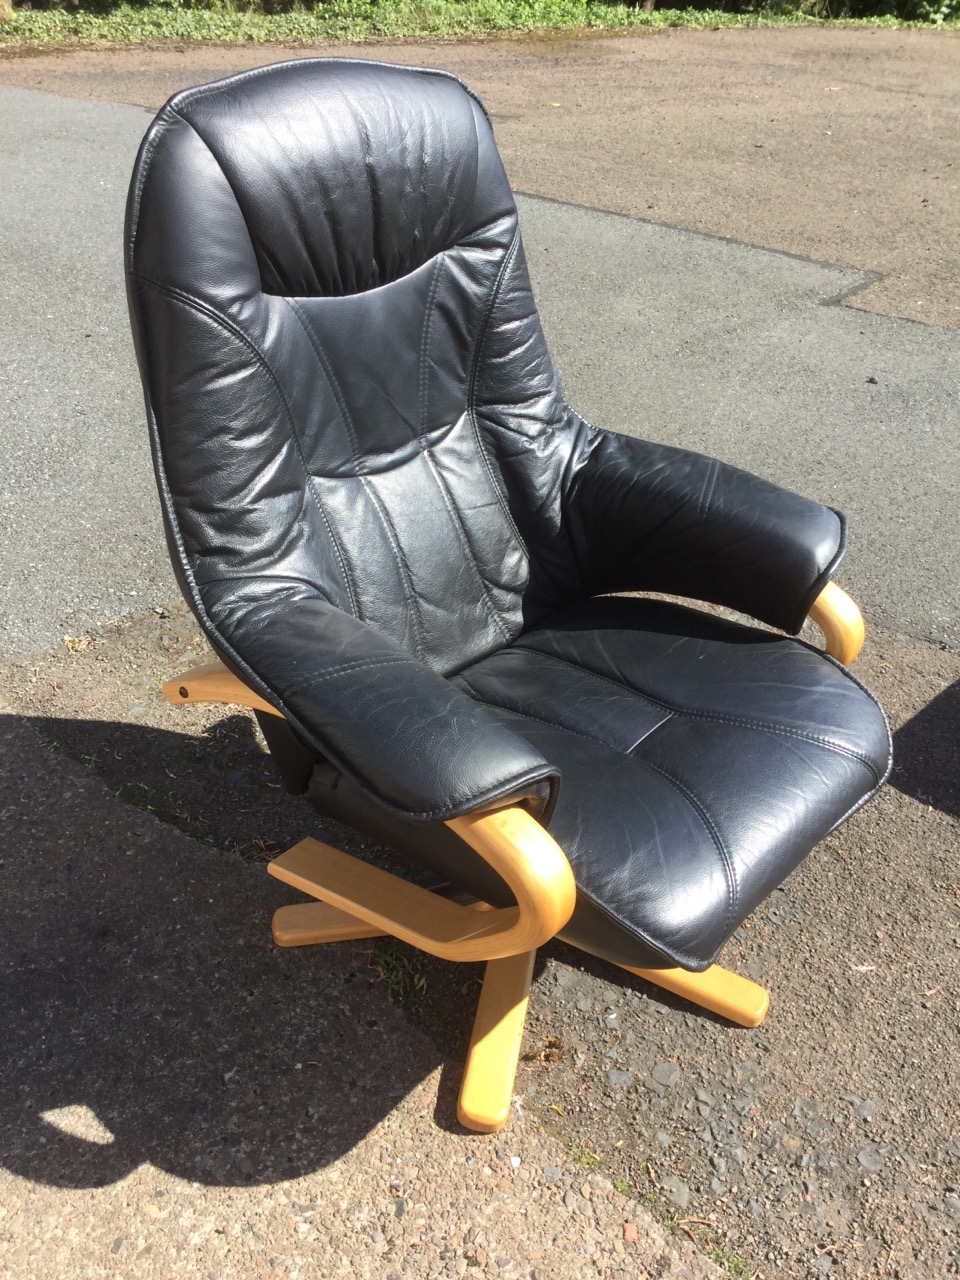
x,y
700,761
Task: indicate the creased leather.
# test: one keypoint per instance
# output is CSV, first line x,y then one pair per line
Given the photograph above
x,y
701,761
399,729
370,478
747,749
692,526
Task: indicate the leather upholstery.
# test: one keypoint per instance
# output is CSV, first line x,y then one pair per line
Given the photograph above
x,y
701,761
390,523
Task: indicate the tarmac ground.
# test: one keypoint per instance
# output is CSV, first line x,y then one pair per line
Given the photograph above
x,y
180,1099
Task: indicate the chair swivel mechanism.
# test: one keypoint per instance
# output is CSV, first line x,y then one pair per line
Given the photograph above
x,y
432,580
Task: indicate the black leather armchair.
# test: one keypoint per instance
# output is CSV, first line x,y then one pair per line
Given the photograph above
x,y
404,547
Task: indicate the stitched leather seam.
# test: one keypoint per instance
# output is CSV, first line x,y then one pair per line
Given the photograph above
x,y
715,717
471,394
426,450
351,668
158,129
369,489
733,889
679,955
423,381
202,91
187,300
725,859
188,96
706,495
861,802
458,524
503,788
528,715
218,317
849,675
577,459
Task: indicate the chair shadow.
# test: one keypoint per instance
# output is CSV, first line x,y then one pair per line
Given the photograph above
x,y
141,982
926,753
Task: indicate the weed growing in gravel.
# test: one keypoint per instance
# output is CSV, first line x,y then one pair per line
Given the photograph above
x,y
392,970
582,1155
732,1262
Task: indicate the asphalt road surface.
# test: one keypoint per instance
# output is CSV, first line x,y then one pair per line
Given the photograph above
x,y
661,332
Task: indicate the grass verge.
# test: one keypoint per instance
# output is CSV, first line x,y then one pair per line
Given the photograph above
x,y
358,20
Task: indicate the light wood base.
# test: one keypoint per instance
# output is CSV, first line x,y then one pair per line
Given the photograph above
x,y
356,900
491,1068
305,924
213,682
728,994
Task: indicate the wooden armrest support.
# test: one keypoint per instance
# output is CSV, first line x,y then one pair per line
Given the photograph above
x,y
839,619
513,843
213,682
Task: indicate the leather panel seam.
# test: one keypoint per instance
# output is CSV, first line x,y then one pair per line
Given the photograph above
x,y
149,146
426,451
423,381
351,668
218,86
379,506
691,799
553,724
710,483
683,958
716,717
196,304
472,390
733,889
854,680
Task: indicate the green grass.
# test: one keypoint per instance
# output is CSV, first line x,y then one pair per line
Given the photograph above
x,y
732,1262
582,1155
392,969
356,20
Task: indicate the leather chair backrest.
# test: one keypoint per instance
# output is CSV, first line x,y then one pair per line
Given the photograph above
x,y
345,375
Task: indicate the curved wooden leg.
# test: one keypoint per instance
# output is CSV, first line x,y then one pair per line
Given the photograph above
x,y
491,1068
716,989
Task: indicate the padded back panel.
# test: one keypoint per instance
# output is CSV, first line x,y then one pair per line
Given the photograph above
x,y
342,359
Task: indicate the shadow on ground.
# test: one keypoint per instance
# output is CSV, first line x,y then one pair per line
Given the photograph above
x,y
144,986
926,753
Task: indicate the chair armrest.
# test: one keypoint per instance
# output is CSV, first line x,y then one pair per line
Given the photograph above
x,y
410,738
512,842
647,517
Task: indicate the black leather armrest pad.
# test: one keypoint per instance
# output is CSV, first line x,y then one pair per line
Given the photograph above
x,y
410,738
648,517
